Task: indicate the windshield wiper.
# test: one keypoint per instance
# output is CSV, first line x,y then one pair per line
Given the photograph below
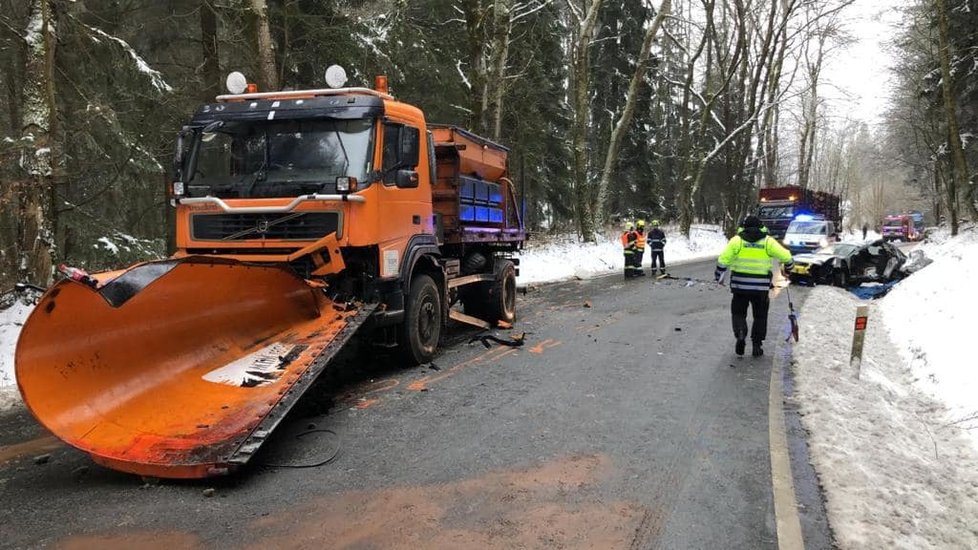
x,y
346,158
256,176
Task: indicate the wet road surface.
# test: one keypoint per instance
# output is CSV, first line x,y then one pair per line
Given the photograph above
x,y
626,421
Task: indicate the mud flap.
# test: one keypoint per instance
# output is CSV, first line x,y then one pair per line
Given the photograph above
x,y
180,368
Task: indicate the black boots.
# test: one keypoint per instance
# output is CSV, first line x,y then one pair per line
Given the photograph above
x,y
755,351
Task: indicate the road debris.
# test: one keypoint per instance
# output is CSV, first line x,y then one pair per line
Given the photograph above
x,y
42,459
513,342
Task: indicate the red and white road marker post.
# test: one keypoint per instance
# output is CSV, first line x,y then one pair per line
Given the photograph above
x,y
858,337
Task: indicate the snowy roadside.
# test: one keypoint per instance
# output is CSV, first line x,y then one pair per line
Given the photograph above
x,y
563,258
11,319
930,316
895,472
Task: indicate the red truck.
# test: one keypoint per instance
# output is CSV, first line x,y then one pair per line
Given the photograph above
x,y
902,227
778,206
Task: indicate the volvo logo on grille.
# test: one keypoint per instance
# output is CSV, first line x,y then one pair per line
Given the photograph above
x,y
262,227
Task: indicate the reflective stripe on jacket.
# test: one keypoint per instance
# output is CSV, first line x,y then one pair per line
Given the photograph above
x,y
750,262
657,239
628,239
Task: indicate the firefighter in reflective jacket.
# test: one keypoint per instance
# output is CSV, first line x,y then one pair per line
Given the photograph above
x,y
639,247
748,256
628,244
657,245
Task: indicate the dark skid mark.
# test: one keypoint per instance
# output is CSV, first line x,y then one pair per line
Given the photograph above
x,y
49,307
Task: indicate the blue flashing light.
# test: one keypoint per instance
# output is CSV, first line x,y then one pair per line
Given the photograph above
x,y
804,218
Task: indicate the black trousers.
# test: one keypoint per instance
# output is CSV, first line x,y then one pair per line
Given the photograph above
x,y
760,303
658,255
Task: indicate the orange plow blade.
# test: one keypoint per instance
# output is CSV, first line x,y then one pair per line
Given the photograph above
x,y
178,368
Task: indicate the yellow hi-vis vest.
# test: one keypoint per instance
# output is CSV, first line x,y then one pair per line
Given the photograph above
x,y
750,262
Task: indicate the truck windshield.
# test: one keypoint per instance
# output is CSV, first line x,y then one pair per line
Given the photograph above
x,y
280,158
771,212
808,228
893,223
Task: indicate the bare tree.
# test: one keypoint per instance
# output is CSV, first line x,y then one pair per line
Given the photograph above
x,y
209,41
586,16
959,180
628,112
267,73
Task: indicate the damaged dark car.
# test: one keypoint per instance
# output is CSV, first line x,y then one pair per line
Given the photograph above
x,y
851,264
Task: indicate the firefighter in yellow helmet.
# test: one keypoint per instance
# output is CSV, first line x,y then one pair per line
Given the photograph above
x,y
628,239
748,257
639,248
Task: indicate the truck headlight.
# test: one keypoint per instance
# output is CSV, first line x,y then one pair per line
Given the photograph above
x,y
823,242
177,189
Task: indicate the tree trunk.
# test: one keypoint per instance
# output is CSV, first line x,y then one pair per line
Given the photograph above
x,y
475,14
581,84
211,77
496,89
959,167
35,232
621,126
267,74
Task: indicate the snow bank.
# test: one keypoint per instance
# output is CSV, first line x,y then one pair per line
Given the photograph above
x,y
565,258
11,319
895,474
931,317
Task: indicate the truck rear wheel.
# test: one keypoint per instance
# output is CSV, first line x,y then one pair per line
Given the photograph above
x,y
422,321
502,293
494,300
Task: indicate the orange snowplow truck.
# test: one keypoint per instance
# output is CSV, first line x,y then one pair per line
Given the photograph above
x,y
303,218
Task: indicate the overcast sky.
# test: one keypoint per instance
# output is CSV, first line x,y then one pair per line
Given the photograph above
x,y
860,73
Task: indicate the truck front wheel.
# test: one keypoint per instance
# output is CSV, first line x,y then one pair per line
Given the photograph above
x,y
422,321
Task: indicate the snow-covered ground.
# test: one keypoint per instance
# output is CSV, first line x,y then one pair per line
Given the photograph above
x,y
11,320
899,468
562,258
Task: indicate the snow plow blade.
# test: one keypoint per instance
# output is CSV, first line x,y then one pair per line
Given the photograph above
x,y
178,368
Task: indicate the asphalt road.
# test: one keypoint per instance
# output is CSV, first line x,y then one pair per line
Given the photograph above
x,y
626,421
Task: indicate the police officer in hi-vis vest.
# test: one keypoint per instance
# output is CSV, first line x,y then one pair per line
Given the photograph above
x,y
748,256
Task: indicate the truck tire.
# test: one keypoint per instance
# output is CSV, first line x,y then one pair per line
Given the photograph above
x,y
422,321
475,262
501,299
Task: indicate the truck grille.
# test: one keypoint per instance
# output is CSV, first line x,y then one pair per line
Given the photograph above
x,y
296,226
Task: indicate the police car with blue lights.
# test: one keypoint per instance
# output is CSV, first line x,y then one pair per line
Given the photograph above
x,y
808,232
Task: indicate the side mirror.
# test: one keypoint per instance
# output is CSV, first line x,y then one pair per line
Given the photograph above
x,y
179,154
408,152
406,179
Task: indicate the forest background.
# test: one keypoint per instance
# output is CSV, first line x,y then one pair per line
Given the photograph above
x,y
677,110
